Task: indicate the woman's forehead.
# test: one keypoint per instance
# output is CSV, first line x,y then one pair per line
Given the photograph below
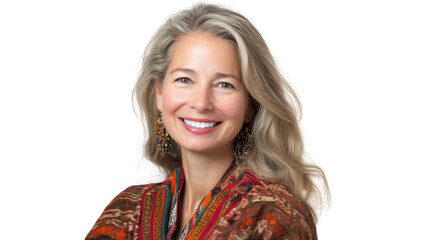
x,y
204,52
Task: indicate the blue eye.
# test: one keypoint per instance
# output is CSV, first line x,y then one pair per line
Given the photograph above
x,y
183,80
226,85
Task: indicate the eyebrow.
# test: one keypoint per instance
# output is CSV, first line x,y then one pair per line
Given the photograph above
x,y
191,71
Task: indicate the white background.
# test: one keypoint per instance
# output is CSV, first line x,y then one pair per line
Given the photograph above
x,y
70,141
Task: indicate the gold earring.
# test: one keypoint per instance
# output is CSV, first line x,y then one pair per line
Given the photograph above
x,y
163,139
243,144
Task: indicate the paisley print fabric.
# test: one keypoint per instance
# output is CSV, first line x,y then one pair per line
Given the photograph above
x,y
241,206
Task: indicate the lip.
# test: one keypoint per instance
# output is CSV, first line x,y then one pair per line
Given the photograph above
x,y
199,131
200,120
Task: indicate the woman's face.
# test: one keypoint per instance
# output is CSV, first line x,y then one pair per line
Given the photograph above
x,y
202,98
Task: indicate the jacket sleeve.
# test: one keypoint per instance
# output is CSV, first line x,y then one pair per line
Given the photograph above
x,y
118,218
268,212
270,223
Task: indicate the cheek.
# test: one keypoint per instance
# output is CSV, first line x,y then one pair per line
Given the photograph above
x,y
171,100
235,107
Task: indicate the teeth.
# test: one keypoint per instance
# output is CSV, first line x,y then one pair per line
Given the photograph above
x,y
199,124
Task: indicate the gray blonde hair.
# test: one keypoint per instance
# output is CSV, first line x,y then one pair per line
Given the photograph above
x,y
278,147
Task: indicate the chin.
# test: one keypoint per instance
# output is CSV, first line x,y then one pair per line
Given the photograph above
x,y
200,149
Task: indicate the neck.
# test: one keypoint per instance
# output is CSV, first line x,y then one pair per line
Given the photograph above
x,y
202,172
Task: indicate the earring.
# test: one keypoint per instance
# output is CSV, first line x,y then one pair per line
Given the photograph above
x,y
243,144
163,139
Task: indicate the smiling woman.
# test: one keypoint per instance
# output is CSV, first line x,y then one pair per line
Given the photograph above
x,y
226,133
203,87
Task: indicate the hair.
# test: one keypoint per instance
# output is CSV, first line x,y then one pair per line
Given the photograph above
x,y
278,151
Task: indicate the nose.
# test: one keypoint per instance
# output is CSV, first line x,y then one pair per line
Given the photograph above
x,y
202,99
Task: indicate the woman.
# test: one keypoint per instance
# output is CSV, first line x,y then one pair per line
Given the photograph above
x,y
225,130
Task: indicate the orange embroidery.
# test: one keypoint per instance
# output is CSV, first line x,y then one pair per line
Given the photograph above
x,y
249,221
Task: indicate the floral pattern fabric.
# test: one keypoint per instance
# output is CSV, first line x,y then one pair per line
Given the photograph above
x,y
241,206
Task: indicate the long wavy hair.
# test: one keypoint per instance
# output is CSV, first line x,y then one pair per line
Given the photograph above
x,y
278,152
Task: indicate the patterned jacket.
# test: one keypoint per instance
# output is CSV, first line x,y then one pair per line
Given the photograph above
x,y
241,206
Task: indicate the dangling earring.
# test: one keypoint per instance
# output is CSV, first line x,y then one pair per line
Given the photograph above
x,y
163,139
243,144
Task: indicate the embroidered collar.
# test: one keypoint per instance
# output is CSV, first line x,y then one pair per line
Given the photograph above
x,y
160,206
231,172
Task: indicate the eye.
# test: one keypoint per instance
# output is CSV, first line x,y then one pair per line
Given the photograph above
x,y
226,85
183,80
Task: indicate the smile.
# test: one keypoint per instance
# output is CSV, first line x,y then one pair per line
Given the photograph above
x,y
199,124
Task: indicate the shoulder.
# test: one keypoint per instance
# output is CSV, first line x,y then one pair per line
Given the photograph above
x,y
269,211
120,214
278,195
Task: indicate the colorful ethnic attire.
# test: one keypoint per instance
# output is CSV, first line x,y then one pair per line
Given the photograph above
x,y
241,206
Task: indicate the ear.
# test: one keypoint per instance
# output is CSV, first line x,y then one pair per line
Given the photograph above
x,y
158,91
